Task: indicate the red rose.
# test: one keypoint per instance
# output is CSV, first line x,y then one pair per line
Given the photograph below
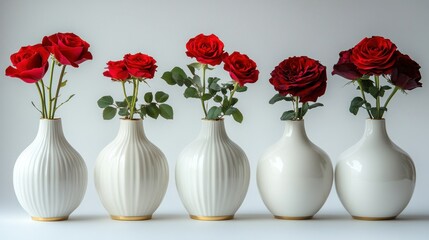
x,y
241,68
300,76
117,71
406,73
30,63
140,65
206,49
374,56
345,68
67,48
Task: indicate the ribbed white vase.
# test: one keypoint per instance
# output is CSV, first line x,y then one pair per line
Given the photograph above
x,y
375,178
50,177
131,174
212,174
294,176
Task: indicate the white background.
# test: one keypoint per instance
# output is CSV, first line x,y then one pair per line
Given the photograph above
x,y
268,31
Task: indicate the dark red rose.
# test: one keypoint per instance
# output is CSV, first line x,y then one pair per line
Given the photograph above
x,y
406,73
345,68
30,63
300,76
117,70
68,48
206,49
140,65
241,68
374,56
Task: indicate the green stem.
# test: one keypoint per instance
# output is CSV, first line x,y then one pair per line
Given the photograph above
x,y
296,108
204,90
135,93
363,97
50,88
377,99
232,92
58,91
390,98
124,90
42,98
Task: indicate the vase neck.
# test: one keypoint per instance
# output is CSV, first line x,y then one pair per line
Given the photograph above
x,y
295,130
375,129
212,128
131,128
49,128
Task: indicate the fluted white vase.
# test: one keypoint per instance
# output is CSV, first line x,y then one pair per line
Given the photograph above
x,y
212,174
131,174
294,175
375,178
50,176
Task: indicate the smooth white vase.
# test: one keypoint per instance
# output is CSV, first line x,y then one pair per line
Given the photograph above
x,y
294,176
131,174
50,176
212,174
375,179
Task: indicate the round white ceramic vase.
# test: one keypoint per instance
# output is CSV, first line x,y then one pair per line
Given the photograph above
x,y
375,178
294,176
50,176
131,174
212,174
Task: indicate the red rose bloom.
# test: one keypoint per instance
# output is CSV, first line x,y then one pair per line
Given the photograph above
x,y
374,56
30,63
117,71
140,65
206,49
300,76
241,68
345,68
68,48
406,73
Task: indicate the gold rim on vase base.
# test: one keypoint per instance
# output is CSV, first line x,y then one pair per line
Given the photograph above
x,y
49,219
373,218
131,218
212,218
293,218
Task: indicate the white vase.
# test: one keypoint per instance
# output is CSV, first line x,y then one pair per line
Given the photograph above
x,y
131,174
375,178
212,174
294,176
50,176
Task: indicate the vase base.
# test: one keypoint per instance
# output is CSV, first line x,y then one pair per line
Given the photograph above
x,y
131,218
49,219
373,218
212,218
293,218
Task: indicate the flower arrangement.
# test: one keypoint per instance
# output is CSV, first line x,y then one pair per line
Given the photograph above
x,y
134,69
375,57
31,63
208,50
298,80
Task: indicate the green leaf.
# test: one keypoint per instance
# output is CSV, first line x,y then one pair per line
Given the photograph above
x,y
234,101
167,76
161,97
121,104
356,103
214,113
191,92
304,109
152,110
188,82
315,105
238,117
148,97
230,111
386,87
288,115
178,75
206,97
211,80
214,86
196,80
123,111
241,88
373,91
217,99
105,101
166,111
63,83
366,84
109,113
143,111
130,99
279,97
